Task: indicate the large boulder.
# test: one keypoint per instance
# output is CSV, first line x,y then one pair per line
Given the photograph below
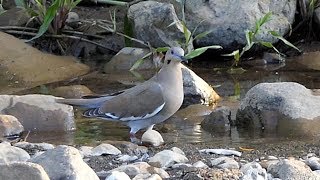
x,y
153,22
38,112
286,107
23,66
65,162
227,20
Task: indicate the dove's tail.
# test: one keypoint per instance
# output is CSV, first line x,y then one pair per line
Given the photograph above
x,y
87,103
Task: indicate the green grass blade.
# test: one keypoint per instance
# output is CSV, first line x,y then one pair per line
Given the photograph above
x,y
199,51
139,62
202,35
186,32
266,44
162,49
276,35
50,14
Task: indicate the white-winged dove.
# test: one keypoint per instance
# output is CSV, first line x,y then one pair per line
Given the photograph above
x,y
146,104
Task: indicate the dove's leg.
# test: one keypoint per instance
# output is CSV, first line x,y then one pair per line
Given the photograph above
x,y
133,137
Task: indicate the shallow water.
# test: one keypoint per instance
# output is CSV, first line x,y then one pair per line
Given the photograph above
x,y
185,126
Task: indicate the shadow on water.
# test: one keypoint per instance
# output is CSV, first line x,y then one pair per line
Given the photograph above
x,y
186,127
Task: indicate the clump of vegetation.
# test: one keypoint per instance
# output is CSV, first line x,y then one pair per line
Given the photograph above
x,y
305,25
251,40
52,18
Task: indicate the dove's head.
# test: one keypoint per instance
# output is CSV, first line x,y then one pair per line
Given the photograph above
x,y
175,54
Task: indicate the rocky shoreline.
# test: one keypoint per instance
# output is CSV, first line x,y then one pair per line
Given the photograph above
x,y
125,160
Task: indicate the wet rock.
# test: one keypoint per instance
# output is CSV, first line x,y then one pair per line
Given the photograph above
x,y
116,175
8,4
10,153
74,91
200,164
286,107
41,68
230,20
225,152
105,149
225,162
167,158
313,163
9,125
253,171
141,168
152,137
196,89
38,112
14,17
151,22
126,58
287,169
218,120
34,148
65,162
22,170
181,166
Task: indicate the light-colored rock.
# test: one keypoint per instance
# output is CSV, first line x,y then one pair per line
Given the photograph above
x,y
116,175
226,152
154,177
177,150
284,106
127,158
140,168
38,112
73,91
151,21
65,162
225,162
195,86
86,151
253,171
10,153
181,166
147,177
41,68
126,58
105,149
292,169
313,163
22,170
167,158
9,125
218,120
200,164
152,137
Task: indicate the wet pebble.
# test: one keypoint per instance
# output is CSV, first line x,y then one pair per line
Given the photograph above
x,y
152,137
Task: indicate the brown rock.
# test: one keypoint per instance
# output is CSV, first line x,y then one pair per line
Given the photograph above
x,y
9,125
74,91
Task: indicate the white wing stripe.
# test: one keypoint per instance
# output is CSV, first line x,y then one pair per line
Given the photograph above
x,y
136,118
